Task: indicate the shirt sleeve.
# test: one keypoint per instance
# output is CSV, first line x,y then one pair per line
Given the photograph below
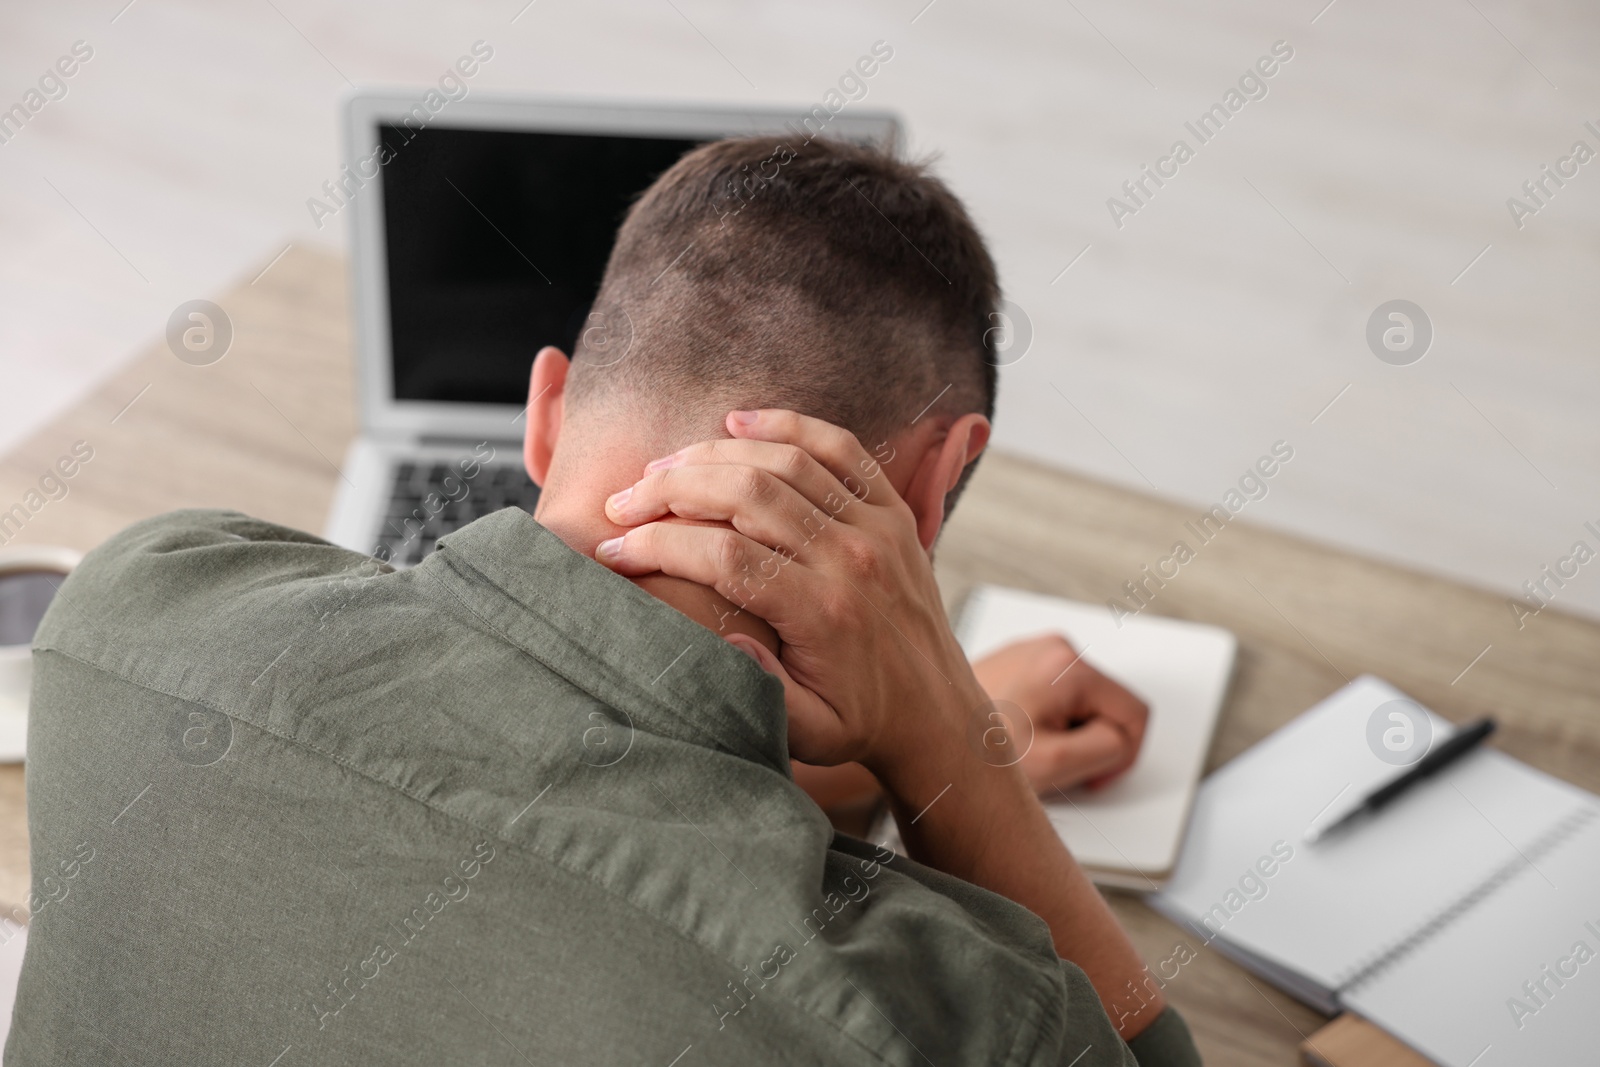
x,y
1086,1037
1166,1043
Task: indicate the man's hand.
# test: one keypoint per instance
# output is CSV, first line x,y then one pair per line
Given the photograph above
x,y
1075,725
825,550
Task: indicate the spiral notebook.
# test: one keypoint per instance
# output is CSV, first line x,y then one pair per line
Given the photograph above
x,y
1125,834
1464,919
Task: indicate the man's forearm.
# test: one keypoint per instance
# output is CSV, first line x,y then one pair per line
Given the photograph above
x,y
983,824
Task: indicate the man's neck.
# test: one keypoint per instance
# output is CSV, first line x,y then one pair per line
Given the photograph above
x,y
699,602
707,607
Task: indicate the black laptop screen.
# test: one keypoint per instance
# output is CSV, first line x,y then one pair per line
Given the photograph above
x,y
496,244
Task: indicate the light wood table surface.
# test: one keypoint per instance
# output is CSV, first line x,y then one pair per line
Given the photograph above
x,y
264,429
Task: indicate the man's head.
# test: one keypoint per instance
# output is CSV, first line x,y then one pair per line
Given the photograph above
x,y
830,278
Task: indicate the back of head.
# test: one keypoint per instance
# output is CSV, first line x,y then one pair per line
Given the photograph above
x,y
830,278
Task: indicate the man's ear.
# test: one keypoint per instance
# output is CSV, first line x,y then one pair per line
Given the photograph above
x,y
547,390
940,469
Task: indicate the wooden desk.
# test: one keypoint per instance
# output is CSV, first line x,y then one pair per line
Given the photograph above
x,y
264,429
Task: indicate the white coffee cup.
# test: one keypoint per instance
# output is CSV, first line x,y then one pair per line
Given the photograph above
x,y
29,575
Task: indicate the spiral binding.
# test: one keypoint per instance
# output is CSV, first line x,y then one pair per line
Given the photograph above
x,y
1380,961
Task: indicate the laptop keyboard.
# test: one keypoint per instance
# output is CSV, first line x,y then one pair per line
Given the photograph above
x,y
430,500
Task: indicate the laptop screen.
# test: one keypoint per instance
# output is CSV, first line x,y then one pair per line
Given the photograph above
x,y
496,242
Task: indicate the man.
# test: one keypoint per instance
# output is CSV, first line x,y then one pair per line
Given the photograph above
x,y
288,806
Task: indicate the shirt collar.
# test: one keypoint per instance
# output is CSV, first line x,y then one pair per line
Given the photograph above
x,y
666,672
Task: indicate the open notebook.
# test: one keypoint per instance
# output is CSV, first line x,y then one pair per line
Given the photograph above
x,y
1464,919
1126,834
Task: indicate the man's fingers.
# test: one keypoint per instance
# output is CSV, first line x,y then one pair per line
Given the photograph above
x,y
1122,709
834,447
1063,694
1082,692
759,504
791,463
723,559
1061,759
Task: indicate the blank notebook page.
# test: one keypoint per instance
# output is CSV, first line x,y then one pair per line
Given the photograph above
x,y
1450,997
1180,669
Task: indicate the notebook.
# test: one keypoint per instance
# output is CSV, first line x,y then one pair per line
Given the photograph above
x,y
1464,919
1126,834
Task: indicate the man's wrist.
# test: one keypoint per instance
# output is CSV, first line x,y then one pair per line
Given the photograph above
x,y
931,751
952,804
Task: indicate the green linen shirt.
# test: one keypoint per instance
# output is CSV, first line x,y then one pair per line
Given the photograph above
x,y
289,806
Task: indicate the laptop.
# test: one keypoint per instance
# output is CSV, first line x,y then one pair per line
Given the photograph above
x,y
479,234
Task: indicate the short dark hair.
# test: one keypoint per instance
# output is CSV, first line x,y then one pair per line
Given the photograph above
x,y
831,278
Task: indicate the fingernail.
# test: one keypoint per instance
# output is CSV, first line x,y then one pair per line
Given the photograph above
x,y
664,462
747,650
608,551
745,418
618,499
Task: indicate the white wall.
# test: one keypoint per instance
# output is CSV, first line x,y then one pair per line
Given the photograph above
x,y
1219,319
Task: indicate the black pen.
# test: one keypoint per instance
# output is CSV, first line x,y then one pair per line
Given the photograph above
x,y
1457,745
